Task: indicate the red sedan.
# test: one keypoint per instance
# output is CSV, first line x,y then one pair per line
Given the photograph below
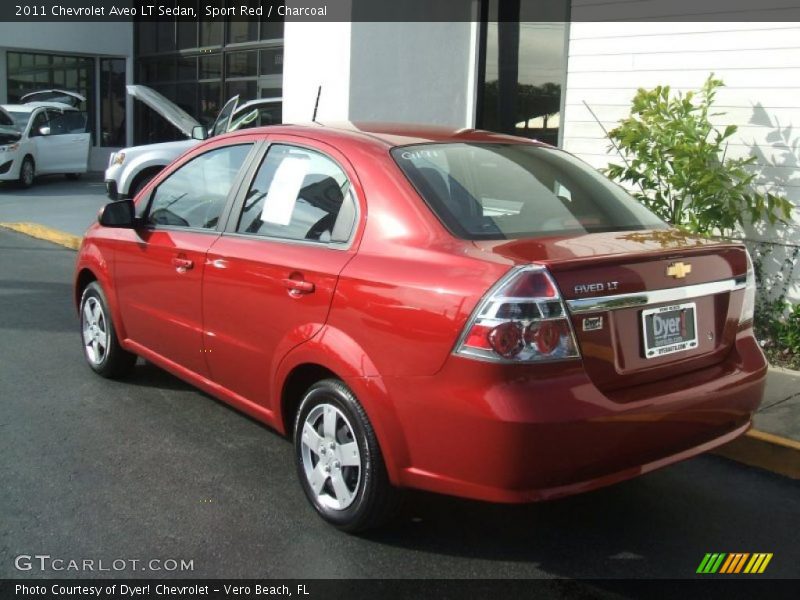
x,y
456,311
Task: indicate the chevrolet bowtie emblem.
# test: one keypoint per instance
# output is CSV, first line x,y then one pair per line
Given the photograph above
x,y
679,270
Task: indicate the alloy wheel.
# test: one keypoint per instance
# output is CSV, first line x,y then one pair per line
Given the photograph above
x,y
95,331
331,457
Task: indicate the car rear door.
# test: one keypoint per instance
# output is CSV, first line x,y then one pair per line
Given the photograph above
x,y
69,139
270,277
159,266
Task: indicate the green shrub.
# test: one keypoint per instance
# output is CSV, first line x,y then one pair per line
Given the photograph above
x,y
675,164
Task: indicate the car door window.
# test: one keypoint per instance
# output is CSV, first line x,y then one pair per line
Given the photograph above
x,y
194,195
39,121
299,194
68,122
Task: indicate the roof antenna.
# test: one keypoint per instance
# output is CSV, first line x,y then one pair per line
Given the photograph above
x,y
316,104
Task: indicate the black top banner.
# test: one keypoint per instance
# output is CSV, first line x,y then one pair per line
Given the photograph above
x,y
400,10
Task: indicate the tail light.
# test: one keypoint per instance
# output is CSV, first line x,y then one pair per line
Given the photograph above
x,y
749,304
521,319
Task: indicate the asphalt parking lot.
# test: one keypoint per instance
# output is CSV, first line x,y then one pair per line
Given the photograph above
x,y
150,468
53,201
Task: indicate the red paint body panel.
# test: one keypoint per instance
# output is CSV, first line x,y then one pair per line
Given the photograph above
x,y
388,308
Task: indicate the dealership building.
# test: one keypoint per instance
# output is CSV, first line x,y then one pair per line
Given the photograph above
x,y
556,71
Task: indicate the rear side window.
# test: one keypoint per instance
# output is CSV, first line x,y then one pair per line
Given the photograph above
x,y
509,191
299,194
194,195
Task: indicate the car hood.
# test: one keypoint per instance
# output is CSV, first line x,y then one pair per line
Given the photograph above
x,y
163,148
9,135
166,108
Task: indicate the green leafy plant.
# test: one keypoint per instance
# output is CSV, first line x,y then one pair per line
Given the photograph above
x,y
776,321
789,332
675,164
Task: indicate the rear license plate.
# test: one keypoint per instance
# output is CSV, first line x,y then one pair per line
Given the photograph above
x,y
669,329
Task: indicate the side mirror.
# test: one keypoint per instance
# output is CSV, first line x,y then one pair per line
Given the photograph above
x,y
121,214
44,130
199,133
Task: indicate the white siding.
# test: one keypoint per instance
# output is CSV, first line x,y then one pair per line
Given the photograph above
x,y
759,63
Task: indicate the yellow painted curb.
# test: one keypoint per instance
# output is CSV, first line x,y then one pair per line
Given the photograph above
x,y
48,234
767,451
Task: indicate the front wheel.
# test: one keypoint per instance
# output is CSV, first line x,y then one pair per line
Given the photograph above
x,y
338,459
27,172
100,344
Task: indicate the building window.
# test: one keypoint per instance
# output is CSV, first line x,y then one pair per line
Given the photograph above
x,y
523,70
29,72
112,102
213,62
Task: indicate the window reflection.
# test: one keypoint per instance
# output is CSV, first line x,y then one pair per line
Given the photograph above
x,y
524,70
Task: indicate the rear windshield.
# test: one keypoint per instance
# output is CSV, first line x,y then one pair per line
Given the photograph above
x,y
510,191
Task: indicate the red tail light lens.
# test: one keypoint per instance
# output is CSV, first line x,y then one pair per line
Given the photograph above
x,y
521,319
506,339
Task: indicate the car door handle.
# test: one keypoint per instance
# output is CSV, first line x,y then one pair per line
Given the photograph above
x,y
298,286
182,264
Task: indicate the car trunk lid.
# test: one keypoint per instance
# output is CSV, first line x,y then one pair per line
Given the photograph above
x,y
687,292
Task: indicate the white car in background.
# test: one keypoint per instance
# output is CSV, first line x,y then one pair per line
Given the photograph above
x,y
130,169
45,134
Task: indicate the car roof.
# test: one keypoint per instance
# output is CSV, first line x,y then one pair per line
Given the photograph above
x,y
390,134
32,106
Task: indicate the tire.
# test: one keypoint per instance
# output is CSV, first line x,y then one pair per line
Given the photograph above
x,y
139,183
100,344
72,176
345,481
27,172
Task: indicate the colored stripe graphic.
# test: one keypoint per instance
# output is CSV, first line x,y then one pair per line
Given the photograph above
x,y
734,563
711,563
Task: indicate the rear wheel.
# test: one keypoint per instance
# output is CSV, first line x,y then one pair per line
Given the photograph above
x,y
338,459
27,172
100,344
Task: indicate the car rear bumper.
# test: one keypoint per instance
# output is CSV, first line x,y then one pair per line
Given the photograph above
x,y
507,433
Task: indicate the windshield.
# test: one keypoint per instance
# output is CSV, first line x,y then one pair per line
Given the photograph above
x,y
20,118
510,191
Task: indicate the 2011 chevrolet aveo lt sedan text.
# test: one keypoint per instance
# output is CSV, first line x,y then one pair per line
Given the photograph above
x,y
455,311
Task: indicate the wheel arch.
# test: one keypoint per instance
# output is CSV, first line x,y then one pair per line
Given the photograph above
x,y
93,267
146,173
333,354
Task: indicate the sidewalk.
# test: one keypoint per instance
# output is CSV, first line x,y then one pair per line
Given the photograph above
x,y
774,441
780,412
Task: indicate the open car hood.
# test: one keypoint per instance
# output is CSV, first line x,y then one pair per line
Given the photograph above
x,y
166,108
9,135
62,96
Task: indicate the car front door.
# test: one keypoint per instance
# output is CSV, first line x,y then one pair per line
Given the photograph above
x,y
51,151
159,266
270,277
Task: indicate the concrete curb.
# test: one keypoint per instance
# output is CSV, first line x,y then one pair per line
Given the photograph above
x,y
756,448
40,232
766,451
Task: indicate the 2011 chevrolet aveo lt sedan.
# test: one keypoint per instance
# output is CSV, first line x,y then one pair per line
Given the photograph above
x,y
455,311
